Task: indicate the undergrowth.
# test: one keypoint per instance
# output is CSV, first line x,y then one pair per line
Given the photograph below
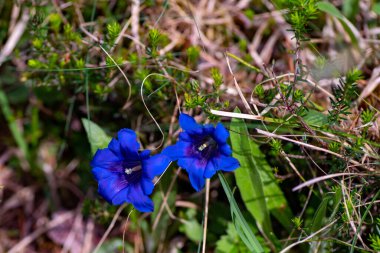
x,y
294,82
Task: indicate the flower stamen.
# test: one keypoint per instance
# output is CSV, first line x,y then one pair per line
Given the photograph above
x,y
129,171
210,142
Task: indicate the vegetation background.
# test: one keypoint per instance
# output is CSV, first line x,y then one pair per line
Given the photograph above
x,y
303,74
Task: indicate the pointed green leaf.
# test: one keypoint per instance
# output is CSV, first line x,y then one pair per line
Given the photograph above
x,y
256,182
330,9
315,118
241,225
96,136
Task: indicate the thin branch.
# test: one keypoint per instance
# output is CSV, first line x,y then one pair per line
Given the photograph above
x,y
207,195
309,237
110,227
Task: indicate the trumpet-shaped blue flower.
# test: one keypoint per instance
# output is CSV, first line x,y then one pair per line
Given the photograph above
x,y
202,150
124,174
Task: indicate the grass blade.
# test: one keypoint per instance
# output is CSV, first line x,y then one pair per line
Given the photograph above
x,y
241,225
256,181
15,130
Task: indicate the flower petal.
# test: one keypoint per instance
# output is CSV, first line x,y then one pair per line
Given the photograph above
x,y
105,158
196,180
225,149
102,173
155,165
121,196
180,149
110,186
227,163
145,154
210,169
147,186
208,129
129,144
189,124
221,134
195,168
114,146
185,136
139,200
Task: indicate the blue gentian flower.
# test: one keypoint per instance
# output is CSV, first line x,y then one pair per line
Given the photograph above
x,y
124,174
202,150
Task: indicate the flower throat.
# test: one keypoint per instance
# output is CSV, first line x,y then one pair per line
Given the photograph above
x,y
207,144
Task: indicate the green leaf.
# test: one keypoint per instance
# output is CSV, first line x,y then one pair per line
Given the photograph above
x,y
330,9
12,124
319,221
96,136
244,62
256,182
193,230
320,215
230,242
114,245
347,25
241,225
315,118
376,8
350,8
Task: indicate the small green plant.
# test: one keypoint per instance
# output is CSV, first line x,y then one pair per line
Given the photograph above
x,y
334,147
276,146
344,94
154,39
113,31
217,77
259,91
367,116
297,221
375,242
193,54
301,12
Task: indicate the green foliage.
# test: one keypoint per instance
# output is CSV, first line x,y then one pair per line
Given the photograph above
x,y
70,34
240,223
298,96
249,13
367,116
314,118
231,242
334,146
376,8
256,182
68,76
113,31
301,12
375,241
97,138
276,146
217,77
375,238
330,9
193,54
12,124
191,228
297,221
344,95
259,91
115,245
350,8
154,40
102,212
55,22
320,216
205,99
